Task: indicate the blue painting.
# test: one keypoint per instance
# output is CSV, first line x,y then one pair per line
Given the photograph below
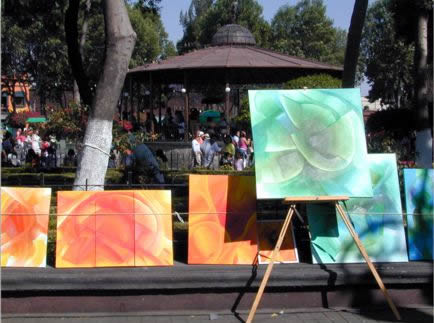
x,y
419,203
378,221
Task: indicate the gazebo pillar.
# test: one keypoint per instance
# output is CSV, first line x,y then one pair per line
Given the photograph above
x,y
160,93
151,106
186,108
131,107
227,92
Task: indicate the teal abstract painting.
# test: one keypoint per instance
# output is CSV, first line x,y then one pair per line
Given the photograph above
x,y
309,143
419,203
378,221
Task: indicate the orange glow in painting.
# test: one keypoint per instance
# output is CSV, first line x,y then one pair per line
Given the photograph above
x,y
24,226
76,224
222,220
153,228
268,232
114,228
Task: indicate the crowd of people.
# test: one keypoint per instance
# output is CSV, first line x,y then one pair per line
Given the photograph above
x,y
213,151
27,147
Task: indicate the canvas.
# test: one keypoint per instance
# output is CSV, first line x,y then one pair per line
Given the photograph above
x,y
309,143
24,226
114,228
76,225
222,220
268,233
377,221
419,187
153,228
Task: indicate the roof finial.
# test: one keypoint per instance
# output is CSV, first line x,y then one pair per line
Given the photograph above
x,y
234,12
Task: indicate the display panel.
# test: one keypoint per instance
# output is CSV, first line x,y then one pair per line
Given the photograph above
x,y
24,226
114,228
309,143
378,221
268,233
419,187
222,220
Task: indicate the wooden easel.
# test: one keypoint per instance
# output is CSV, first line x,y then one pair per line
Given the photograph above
x,y
318,199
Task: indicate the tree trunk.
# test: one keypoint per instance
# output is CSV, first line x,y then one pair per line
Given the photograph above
x,y
74,55
120,40
424,152
84,28
353,43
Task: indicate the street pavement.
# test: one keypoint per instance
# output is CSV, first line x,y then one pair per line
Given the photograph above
x,y
409,314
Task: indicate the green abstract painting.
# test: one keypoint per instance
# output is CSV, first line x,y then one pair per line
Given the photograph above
x,y
419,197
309,143
377,221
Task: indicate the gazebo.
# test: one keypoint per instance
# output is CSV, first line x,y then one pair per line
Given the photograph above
x,y
232,60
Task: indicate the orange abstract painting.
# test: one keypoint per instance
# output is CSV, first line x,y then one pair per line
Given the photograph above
x,y
222,220
114,228
153,228
76,225
268,232
24,226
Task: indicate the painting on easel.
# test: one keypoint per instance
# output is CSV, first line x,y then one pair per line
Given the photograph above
x,y
309,143
419,187
378,221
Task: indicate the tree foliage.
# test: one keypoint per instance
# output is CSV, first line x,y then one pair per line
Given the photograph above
x,y
316,81
387,60
34,43
205,17
304,30
44,63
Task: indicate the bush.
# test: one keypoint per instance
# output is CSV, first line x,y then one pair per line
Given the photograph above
x,y
19,119
67,123
317,81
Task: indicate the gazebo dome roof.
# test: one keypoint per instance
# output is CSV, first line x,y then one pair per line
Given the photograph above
x,y
233,35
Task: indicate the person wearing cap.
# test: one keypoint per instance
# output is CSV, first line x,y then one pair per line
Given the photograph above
x,y
195,145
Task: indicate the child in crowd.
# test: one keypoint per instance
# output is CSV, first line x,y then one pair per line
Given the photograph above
x,y
239,161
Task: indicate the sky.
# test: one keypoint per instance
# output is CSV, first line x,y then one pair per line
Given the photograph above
x,y
339,11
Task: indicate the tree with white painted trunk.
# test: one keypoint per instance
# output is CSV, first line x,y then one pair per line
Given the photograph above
x,y
120,41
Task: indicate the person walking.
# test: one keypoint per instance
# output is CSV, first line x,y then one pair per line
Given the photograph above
x,y
242,147
209,150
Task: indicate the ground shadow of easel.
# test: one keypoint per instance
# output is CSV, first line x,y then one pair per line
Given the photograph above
x,y
318,199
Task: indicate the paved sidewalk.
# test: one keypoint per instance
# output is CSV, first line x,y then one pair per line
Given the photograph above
x,y
410,314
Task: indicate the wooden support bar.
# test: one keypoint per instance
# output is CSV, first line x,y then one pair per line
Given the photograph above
x,y
368,261
270,265
313,199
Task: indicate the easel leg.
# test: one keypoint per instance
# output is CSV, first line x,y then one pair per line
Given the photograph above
x,y
270,265
368,261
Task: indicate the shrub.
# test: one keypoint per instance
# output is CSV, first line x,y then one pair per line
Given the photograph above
x,y
317,81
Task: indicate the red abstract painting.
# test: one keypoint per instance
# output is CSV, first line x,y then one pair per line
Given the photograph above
x,y
222,220
114,228
24,226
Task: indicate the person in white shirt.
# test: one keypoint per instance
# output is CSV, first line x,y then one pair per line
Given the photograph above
x,y
36,142
195,145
